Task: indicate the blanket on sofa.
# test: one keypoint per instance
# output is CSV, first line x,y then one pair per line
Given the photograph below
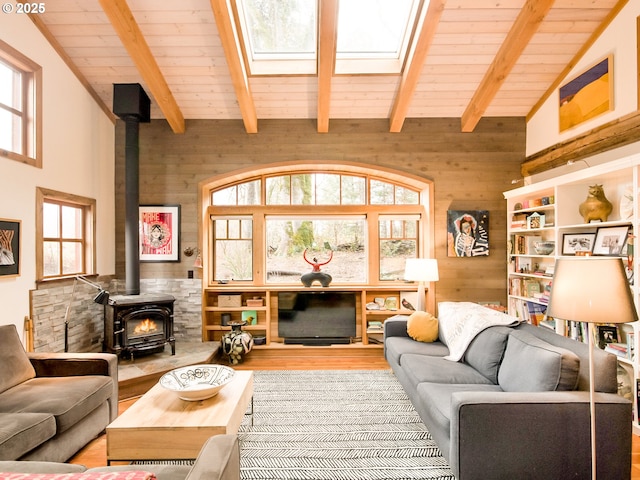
x,y
460,322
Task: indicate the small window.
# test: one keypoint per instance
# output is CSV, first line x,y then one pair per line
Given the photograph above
x,y
398,241
20,123
65,235
233,248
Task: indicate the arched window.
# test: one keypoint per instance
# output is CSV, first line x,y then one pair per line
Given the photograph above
x,y
358,223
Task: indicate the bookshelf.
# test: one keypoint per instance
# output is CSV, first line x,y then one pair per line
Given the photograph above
x,y
547,213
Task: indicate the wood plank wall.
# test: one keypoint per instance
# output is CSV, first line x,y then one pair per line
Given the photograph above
x,y
470,171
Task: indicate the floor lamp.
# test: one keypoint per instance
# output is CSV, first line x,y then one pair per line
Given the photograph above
x,y
421,270
592,290
101,298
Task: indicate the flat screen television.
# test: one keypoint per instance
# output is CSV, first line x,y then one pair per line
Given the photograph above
x,y
316,318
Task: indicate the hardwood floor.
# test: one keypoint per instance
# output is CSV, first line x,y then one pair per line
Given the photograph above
x,y
95,453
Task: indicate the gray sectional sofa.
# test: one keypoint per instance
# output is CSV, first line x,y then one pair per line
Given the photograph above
x,y
516,404
52,404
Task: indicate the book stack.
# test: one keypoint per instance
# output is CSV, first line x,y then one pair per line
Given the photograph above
x,y
375,327
519,220
375,332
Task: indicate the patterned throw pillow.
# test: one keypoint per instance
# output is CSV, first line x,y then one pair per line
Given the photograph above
x,y
422,327
114,475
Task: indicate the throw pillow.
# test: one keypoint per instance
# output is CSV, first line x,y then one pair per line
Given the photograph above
x,y
16,367
111,475
422,327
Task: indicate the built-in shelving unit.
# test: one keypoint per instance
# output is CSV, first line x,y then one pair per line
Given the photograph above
x,y
232,300
548,211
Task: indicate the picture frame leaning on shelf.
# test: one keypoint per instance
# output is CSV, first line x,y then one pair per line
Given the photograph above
x,y
572,243
610,240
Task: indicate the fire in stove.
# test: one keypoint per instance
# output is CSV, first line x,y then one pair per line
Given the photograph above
x,y
145,326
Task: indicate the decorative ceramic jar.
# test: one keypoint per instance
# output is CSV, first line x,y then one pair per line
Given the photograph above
x,y
236,343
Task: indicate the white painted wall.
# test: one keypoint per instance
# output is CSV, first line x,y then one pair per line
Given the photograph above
x,y
618,39
78,158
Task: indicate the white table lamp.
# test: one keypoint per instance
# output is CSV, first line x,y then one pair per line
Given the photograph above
x,y
421,270
591,290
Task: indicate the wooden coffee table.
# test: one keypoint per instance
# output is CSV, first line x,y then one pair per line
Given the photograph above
x,y
160,426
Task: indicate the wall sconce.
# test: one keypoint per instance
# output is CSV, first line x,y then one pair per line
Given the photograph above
x,y
190,252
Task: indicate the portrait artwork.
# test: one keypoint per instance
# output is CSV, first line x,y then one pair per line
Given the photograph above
x,y
159,230
467,233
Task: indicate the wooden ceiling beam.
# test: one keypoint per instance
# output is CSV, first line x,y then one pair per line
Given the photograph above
x,y
327,37
526,25
124,24
239,77
614,134
415,61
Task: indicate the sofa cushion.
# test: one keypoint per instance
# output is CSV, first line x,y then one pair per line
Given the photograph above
x,y
486,351
16,367
68,399
421,368
396,347
422,327
22,432
533,365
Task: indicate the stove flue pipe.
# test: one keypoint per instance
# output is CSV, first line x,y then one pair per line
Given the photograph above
x,y
131,104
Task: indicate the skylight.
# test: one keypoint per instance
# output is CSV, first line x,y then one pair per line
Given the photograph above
x,y
281,36
373,35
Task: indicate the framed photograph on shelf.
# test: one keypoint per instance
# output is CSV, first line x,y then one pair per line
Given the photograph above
x,y
573,243
610,240
607,334
9,247
159,233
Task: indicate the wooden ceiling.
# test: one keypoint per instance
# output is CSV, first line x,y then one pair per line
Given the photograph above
x,y
469,59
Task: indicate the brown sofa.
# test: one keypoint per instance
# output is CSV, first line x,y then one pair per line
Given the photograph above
x,y
219,459
52,404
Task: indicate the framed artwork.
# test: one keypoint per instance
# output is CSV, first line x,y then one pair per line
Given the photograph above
x,y
573,243
607,334
250,317
9,247
610,240
159,233
586,96
467,233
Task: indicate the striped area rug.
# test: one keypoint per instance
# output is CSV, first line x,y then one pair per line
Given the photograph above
x,y
335,425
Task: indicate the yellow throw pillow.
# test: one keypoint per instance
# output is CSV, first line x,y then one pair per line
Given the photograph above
x,y
422,327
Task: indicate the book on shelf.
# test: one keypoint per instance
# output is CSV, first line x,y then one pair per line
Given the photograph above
x,y
531,287
530,312
618,349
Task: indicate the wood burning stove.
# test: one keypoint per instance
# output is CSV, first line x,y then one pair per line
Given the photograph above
x,y
139,324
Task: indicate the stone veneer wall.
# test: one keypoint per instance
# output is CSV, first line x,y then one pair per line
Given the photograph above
x,y
86,328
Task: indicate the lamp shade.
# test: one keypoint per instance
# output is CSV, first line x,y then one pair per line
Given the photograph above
x,y
592,290
421,270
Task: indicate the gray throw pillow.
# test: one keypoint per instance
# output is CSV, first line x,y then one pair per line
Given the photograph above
x,y
533,365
